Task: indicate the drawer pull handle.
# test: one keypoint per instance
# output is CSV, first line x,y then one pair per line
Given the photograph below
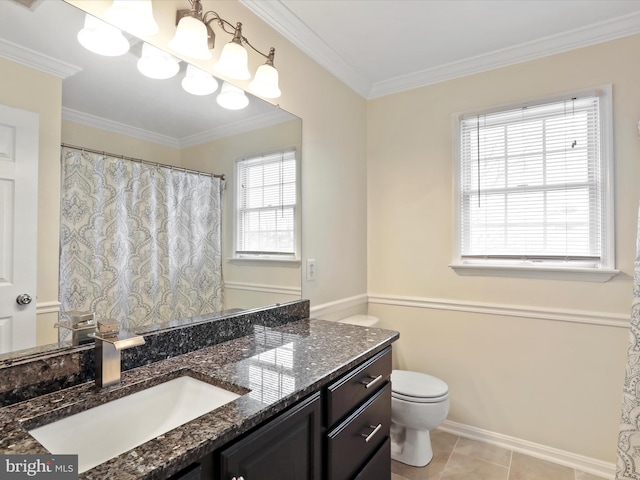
x,y
372,382
239,478
370,436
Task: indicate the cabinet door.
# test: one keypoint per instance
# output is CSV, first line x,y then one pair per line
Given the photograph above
x,y
287,448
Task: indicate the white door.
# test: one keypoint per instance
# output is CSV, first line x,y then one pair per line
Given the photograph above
x,y
18,228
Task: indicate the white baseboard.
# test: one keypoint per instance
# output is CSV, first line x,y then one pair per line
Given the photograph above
x,y
561,457
339,305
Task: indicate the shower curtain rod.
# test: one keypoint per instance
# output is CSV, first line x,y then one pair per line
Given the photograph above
x,y
144,162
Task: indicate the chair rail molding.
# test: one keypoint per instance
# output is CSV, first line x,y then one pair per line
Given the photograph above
x,y
339,305
47,307
606,319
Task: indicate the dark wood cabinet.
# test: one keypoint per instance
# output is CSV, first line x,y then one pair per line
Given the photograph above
x,y
286,448
379,466
358,420
359,437
339,433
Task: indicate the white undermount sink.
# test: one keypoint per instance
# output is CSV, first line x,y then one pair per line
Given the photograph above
x,y
106,431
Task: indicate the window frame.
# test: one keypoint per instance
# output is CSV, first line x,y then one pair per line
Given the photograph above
x,y
527,269
285,258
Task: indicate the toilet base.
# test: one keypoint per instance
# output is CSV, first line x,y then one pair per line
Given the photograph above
x,y
411,447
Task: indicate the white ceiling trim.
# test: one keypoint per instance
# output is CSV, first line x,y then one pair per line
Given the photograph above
x,y
285,22
261,121
117,127
570,40
276,14
33,59
268,119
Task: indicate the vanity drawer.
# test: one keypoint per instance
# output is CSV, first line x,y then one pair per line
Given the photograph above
x,y
379,467
351,390
359,437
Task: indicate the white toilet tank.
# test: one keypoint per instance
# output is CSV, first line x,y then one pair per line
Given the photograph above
x,y
362,320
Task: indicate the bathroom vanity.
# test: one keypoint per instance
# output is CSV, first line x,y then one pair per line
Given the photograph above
x,y
313,402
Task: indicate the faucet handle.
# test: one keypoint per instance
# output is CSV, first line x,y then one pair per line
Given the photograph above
x,y
109,331
108,327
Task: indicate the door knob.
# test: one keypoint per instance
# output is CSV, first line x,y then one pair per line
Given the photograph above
x,y
23,299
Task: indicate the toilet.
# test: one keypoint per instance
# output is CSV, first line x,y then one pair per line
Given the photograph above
x,y
419,403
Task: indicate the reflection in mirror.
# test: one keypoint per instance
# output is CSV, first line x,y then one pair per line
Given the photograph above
x,y
105,104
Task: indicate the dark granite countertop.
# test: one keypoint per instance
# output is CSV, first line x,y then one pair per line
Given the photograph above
x,y
271,369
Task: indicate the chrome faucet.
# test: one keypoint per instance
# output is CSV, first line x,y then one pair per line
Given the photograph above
x,y
109,342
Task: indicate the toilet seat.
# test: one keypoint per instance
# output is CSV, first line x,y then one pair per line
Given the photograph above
x,y
417,387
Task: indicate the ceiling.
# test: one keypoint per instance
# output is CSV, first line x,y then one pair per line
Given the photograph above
x,y
379,47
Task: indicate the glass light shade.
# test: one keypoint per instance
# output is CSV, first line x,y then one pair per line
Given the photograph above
x,y
265,82
156,63
191,39
199,82
233,62
134,16
232,97
101,38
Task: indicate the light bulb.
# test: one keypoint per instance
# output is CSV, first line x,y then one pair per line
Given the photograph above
x,y
101,38
265,82
134,16
232,97
191,39
233,62
156,63
199,82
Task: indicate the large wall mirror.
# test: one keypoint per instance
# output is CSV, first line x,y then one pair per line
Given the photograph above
x,y
104,104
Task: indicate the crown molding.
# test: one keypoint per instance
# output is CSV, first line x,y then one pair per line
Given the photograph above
x,y
117,127
582,37
33,59
260,121
227,130
276,14
285,22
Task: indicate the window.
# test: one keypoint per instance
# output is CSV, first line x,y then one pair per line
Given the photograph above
x,y
533,185
266,202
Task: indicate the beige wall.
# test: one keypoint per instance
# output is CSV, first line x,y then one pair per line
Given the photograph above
x,y
547,381
35,91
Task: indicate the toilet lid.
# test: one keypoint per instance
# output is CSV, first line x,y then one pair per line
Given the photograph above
x,y
416,384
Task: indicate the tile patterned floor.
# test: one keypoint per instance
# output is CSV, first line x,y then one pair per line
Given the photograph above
x,y
457,458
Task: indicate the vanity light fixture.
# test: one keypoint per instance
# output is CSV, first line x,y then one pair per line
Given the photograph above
x,y
156,63
194,38
199,82
232,97
101,38
134,16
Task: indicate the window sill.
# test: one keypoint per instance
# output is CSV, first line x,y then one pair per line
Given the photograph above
x,y
264,260
550,273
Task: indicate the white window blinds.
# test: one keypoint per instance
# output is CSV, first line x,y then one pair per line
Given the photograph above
x,y
531,185
266,205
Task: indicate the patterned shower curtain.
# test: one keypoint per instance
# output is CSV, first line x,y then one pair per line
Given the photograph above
x,y
628,466
139,243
